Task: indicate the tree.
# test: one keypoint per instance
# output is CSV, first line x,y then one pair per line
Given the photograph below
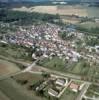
x,y
45,75
22,82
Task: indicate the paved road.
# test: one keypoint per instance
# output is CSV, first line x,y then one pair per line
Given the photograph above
x,y
89,98
3,77
29,68
83,91
60,73
60,94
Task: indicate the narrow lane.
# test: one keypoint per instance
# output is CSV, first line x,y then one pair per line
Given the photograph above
x,y
83,91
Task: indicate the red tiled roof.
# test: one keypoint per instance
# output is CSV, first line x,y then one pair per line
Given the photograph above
x,y
74,86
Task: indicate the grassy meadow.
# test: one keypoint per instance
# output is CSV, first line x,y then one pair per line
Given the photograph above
x,y
81,67
89,25
14,91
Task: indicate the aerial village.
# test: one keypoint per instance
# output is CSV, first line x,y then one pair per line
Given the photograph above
x,y
45,40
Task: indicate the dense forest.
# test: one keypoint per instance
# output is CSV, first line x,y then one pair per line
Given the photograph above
x,y
25,18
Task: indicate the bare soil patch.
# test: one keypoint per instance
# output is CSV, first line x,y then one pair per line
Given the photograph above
x,y
7,67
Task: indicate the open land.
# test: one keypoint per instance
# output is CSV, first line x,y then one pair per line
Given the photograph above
x,y
3,96
7,67
60,65
89,25
19,85
64,10
80,68
15,91
69,95
14,51
33,79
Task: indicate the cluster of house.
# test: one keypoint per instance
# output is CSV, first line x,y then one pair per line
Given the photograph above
x,y
93,54
97,20
76,87
93,48
72,86
60,84
58,2
45,40
56,86
53,86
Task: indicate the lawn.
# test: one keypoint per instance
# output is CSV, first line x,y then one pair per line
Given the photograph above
x,y
69,95
7,67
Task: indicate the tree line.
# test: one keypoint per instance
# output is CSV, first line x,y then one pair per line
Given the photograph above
x,y
25,18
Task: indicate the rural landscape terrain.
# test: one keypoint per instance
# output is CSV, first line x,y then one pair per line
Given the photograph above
x,y
78,10
49,50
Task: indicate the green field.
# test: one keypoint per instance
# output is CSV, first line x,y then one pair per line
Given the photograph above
x,y
89,25
32,78
69,95
92,11
93,90
16,91
54,63
80,68
15,51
